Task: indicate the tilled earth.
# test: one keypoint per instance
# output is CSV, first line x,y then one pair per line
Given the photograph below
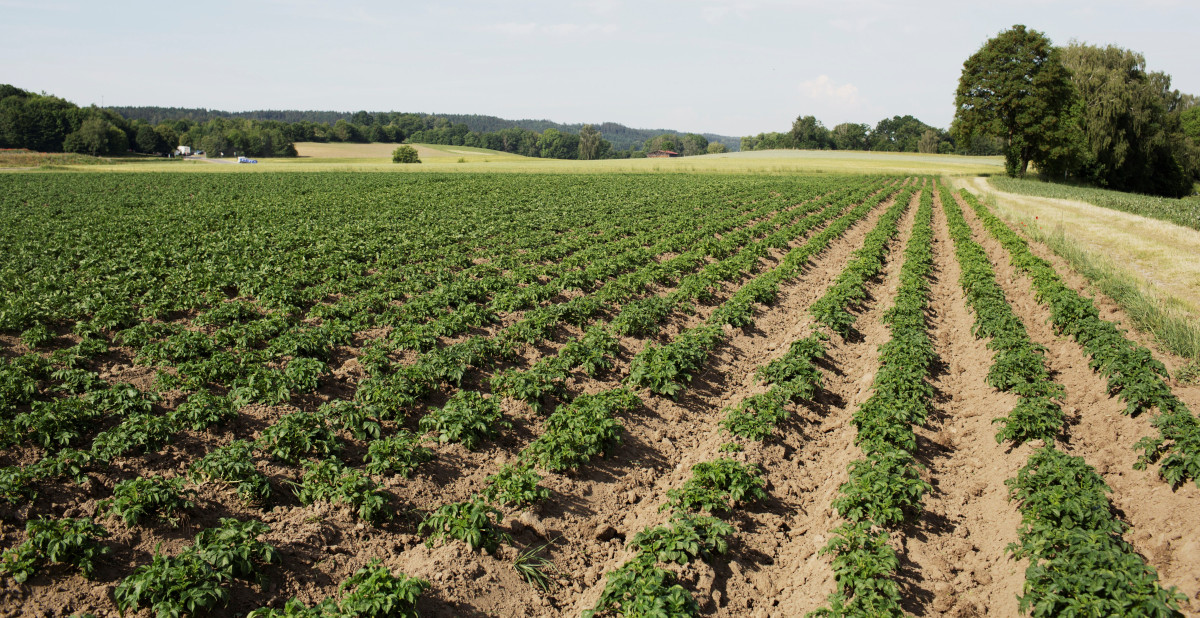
x,y
953,557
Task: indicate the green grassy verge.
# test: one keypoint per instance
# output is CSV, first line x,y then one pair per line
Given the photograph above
x,y
1166,318
1183,211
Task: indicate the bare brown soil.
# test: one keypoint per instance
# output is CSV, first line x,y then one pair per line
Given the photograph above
x,y
953,559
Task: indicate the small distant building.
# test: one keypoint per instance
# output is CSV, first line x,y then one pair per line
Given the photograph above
x,y
661,154
184,150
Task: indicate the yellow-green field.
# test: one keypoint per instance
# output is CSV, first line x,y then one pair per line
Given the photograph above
x,y
437,158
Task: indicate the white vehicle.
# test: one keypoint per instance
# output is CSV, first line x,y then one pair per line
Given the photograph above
x,y
247,160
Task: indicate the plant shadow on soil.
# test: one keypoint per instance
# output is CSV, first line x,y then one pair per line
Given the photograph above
x,y
434,606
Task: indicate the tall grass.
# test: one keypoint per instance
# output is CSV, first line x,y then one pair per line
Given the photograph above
x,y
1183,211
1166,318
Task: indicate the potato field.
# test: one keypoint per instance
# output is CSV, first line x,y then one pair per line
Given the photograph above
x,y
372,394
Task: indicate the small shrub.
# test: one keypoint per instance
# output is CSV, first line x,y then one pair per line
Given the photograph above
x,y
405,154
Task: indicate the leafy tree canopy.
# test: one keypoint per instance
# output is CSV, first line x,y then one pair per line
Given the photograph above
x,y
1017,89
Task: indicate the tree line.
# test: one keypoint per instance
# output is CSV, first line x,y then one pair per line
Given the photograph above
x,y
374,126
46,123
895,134
1080,113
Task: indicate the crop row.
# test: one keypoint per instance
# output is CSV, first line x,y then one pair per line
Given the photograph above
x,y
59,422
885,486
665,369
1079,564
640,587
1132,371
795,376
1018,364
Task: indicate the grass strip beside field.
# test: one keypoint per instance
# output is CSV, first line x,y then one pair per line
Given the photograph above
x,y
1131,369
1182,211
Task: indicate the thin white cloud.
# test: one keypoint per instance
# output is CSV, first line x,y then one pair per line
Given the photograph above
x,y
824,89
600,7
553,30
512,29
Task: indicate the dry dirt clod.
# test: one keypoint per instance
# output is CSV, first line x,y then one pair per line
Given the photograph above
x,y
604,532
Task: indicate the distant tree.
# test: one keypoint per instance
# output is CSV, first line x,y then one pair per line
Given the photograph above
x,y
808,133
664,141
1190,130
929,142
96,136
693,144
215,144
554,144
405,154
850,136
168,135
589,143
347,132
148,140
900,134
717,148
1016,88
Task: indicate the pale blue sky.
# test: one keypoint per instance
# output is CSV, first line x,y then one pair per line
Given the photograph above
x,y
733,67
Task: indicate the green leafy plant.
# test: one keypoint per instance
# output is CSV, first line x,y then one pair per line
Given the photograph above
x,y
72,541
641,589
515,485
173,586
233,547
580,430
468,417
717,486
400,453
374,593
141,432
136,499
234,464
203,410
299,434
331,481
473,522
685,538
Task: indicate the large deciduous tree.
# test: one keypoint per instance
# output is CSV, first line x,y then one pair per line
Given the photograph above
x,y
850,136
1016,88
808,133
1130,120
